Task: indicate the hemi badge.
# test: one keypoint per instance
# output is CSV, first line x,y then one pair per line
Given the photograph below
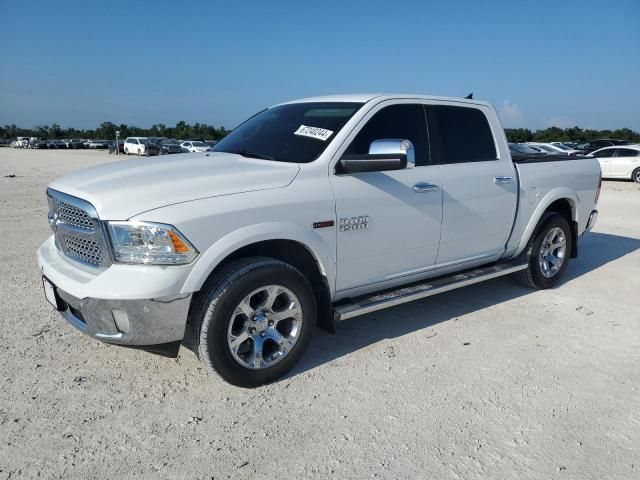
x,y
325,224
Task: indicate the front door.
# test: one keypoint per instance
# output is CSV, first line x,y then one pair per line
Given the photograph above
x,y
605,157
388,222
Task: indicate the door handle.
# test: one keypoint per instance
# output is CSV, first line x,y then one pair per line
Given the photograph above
x,y
423,187
500,180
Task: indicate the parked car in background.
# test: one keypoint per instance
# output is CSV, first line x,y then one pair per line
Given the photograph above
x,y
76,144
96,144
619,162
597,144
211,143
135,145
162,146
195,146
112,147
56,144
39,145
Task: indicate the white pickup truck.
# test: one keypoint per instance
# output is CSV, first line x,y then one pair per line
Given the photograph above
x,y
309,213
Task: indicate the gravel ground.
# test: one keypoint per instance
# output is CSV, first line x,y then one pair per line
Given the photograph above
x,y
491,381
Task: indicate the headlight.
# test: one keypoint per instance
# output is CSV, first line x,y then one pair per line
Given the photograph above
x,y
150,243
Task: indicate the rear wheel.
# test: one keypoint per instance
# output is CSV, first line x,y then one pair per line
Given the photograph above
x,y
253,321
547,253
635,176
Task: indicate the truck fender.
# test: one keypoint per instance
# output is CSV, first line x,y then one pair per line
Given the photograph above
x,y
560,193
242,237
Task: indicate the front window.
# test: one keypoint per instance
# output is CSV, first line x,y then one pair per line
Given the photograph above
x,y
199,144
294,133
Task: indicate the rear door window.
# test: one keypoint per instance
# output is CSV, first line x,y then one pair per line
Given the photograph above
x,y
459,135
626,152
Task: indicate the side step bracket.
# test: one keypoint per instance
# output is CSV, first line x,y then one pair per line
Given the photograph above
x,y
390,298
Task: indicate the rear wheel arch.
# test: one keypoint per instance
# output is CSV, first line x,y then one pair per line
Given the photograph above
x,y
567,209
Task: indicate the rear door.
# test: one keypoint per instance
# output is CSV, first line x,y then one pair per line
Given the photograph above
x,y
479,184
624,162
388,222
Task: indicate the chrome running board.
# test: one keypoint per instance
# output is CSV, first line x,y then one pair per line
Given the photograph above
x,y
391,298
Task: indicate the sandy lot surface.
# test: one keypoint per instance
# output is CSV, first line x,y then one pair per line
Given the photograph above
x,y
492,381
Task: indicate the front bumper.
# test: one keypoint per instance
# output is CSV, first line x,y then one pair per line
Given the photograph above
x,y
133,305
128,322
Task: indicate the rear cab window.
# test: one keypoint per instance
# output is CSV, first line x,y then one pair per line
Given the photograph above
x,y
459,134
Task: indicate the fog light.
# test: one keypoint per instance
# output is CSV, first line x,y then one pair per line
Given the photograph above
x,y
122,320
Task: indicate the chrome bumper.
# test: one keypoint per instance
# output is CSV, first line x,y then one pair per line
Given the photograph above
x,y
593,218
128,322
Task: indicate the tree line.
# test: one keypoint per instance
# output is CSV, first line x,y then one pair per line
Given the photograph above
x,y
573,134
107,130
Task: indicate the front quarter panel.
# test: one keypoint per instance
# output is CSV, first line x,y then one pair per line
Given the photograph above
x,y
219,226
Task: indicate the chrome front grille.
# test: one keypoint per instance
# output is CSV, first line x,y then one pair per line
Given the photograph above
x,y
74,216
87,251
78,231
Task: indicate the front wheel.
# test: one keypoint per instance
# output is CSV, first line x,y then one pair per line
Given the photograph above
x,y
547,253
253,321
635,176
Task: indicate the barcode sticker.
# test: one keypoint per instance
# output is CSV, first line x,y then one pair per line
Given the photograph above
x,y
313,132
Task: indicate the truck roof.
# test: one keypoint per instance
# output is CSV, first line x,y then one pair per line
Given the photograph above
x,y
367,97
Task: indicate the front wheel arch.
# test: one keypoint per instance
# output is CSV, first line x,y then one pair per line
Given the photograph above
x,y
299,256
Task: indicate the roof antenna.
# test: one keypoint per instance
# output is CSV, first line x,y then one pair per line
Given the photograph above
x,y
470,96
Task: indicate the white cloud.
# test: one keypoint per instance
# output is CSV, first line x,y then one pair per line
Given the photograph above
x,y
561,122
511,115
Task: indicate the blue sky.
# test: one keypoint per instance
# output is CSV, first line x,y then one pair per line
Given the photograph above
x,y
539,62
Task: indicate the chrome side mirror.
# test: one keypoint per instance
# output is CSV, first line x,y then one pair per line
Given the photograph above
x,y
394,146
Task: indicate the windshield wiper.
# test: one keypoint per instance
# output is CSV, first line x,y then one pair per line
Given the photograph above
x,y
248,154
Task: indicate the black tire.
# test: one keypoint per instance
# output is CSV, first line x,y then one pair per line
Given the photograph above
x,y
213,309
533,275
139,152
635,176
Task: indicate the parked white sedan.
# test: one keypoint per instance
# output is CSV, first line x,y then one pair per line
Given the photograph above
x,y
619,162
195,146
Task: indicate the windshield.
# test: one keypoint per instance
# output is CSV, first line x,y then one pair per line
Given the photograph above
x,y
294,133
171,141
561,146
523,148
546,148
199,144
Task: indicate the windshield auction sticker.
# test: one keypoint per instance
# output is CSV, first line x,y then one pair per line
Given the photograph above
x,y
313,132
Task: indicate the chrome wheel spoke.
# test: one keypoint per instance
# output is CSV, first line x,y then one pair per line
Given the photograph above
x,y
273,292
235,342
292,312
256,360
244,308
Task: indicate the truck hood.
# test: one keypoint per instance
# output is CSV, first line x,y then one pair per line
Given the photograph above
x,y
121,190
